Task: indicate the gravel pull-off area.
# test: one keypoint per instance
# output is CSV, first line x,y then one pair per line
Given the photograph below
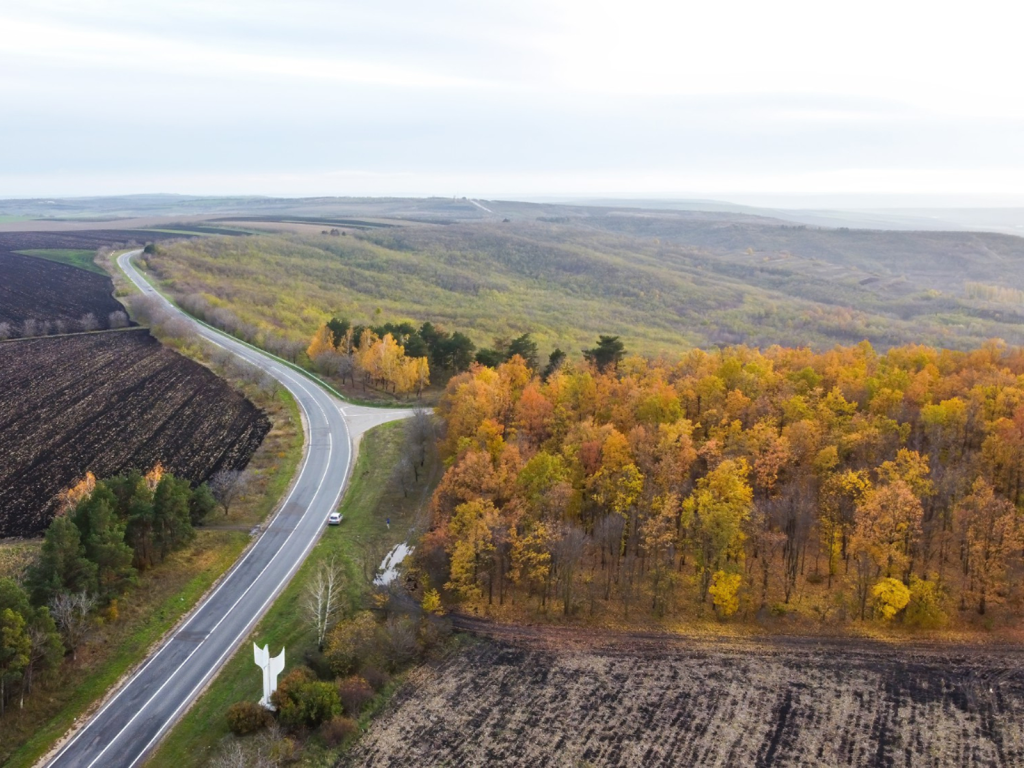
x,y
650,703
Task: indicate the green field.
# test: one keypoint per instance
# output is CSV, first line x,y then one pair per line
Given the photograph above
x,y
75,258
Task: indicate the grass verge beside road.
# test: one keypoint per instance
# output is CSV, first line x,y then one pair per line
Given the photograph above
x,y
357,546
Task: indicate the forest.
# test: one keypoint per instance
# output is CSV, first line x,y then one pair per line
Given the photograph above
x,y
105,533
398,357
664,280
847,485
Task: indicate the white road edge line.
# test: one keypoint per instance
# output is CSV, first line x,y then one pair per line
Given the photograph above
x,y
314,395
196,611
170,677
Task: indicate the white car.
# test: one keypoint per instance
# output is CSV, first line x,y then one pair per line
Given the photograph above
x,y
334,518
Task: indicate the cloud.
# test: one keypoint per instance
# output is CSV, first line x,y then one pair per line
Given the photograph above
x,y
541,98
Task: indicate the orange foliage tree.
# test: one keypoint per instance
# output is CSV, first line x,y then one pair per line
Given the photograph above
x,y
833,476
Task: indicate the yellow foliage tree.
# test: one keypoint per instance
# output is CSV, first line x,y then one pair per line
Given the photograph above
x,y
715,513
472,545
154,476
432,601
891,597
725,592
383,360
68,499
530,555
322,341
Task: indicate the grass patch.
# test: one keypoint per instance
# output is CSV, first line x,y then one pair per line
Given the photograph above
x,y
72,257
358,545
16,555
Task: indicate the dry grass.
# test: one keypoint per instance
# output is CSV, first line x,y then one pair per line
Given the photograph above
x,y
15,556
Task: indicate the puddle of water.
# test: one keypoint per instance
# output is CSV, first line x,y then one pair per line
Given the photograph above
x,y
388,570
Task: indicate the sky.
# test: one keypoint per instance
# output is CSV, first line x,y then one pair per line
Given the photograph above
x,y
745,101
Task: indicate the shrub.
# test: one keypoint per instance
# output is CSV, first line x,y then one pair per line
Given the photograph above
x,y
351,642
317,662
318,703
400,643
305,702
285,698
377,678
337,729
925,608
354,693
246,717
432,601
283,751
891,597
434,632
724,592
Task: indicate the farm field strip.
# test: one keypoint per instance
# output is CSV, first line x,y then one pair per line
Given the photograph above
x,y
135,719
107,403
522,701
40,296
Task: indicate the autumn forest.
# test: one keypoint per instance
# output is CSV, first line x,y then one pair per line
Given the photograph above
x,y
845,485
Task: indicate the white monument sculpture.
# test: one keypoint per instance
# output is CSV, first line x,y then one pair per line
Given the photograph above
x,y
271,667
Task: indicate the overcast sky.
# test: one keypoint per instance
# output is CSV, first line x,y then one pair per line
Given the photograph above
x,y
730,100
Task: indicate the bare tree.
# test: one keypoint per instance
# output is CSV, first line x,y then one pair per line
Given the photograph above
x,y
566,552
70,612
608,536
176,327
40,647
89,322
337,364
422,434
117,319
30,328
5,331
243,371
402,474
322,599
230,485
248,753
221,358
268,385
146,309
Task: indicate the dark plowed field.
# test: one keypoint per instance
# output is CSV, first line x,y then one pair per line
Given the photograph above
x,y
662,703
107,403
54,296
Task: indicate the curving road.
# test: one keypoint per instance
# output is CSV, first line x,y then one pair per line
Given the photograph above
x,y
131,722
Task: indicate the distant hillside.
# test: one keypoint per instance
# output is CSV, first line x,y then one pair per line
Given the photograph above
x,y
661,279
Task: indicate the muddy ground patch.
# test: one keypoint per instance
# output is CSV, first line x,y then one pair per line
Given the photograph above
x,y
646,702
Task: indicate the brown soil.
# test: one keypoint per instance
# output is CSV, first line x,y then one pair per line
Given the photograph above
x,y
538,696
107,403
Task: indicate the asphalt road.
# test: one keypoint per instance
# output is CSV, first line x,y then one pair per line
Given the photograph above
x,y
130,724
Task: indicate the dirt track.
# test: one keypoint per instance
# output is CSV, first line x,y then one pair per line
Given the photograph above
x,y
539,697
